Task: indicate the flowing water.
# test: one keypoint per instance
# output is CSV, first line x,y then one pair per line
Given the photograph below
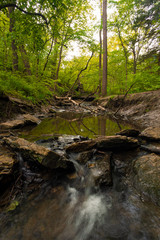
x,y
78,210
75,209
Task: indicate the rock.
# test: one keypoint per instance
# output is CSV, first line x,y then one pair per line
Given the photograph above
x,y
6,164
151,133
12,124
25,120
81,146
34,152
101,170
116,143
104,143
147,178
84,157
151,148
7,167
129,133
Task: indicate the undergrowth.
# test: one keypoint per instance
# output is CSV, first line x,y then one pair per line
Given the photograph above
x,y
24,87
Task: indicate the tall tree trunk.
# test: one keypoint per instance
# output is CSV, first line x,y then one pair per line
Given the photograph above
x,y
100,54
14,46
104,80
134,61
25,60
54,60
59,62
125,55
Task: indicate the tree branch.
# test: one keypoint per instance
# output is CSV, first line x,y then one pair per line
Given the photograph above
x,y
20,9
80,74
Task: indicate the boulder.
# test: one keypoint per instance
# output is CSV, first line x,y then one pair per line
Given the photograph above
x,y
34,152
151,133
101,170
25,120
147,178
116,143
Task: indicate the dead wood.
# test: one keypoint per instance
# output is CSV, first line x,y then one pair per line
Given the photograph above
x,y
124,98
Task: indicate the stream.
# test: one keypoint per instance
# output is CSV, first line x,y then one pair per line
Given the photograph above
x,y
73,207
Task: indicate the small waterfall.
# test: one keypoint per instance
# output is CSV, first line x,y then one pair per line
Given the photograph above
x,y
87,207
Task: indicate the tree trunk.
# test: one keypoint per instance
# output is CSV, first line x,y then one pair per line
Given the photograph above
x,y
100,54
125,55
25,60
54,60
59,62
134,62
104,80
14,47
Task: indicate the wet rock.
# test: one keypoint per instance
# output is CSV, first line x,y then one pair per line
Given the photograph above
x,y
101,170
151,133
34,152
151,148
129,133
86,156
81,146
25,120
105,143
116,143
147,178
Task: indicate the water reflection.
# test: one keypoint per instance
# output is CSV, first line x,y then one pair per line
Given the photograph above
x,y
75,124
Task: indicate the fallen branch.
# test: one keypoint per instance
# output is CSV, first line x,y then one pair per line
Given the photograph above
x,y
91,94
124,99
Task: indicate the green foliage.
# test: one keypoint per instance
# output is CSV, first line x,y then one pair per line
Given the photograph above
x,y
40,42
28,88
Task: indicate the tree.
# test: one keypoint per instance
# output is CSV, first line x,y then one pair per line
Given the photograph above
x,y
104,80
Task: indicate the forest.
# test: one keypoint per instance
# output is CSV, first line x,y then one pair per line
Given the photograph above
x,y
38,39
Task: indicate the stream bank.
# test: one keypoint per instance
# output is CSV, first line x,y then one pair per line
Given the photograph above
x,y
111,182
142,109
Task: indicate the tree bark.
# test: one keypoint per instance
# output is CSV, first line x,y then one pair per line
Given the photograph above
x,y
134,61
13,44
100,54
104,80
25,60
59,62
125,54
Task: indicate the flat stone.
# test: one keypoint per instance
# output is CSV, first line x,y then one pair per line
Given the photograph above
x,y
116,143
81,146
34,152
151,133
147,176
129,133
25,120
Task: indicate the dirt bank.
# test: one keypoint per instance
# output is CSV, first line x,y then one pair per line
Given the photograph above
x,y
141,109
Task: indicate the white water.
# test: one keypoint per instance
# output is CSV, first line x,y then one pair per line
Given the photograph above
x,y
86,210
